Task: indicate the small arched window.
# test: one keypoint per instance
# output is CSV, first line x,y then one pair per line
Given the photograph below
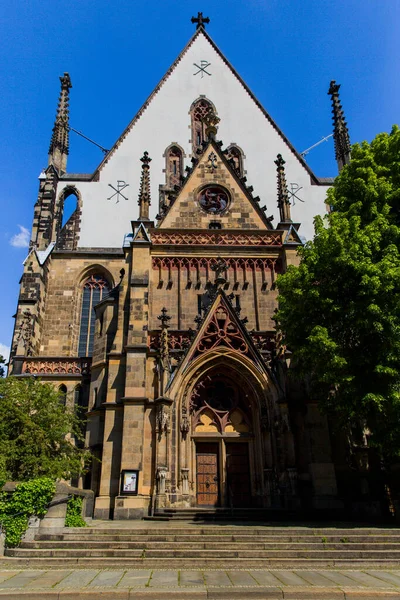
x,y
68,219
62,390
198,111
235,156
173,166
95,289
69,206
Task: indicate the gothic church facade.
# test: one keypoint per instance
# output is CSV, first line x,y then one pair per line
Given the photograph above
x,y
158,318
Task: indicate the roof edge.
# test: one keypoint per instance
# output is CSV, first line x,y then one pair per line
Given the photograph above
x,y
314,179
147,101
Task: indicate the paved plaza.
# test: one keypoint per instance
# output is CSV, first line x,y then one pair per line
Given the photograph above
x,y
127,584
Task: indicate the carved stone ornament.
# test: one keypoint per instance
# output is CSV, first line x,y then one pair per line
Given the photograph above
x,y
185,481
214,199
212,165
162,418
68,366
222,330
270,238
185,425
161,479
24,335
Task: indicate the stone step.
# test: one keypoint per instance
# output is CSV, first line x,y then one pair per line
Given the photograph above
x,y
205,545
201,553
238,529
49,563
210,546
227,538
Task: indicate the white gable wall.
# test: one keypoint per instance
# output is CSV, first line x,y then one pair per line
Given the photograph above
x,y
167,120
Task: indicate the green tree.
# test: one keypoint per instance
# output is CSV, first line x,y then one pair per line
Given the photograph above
x,y
339,310
36,431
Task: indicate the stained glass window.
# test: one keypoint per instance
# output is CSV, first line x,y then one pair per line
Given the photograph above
x,y
94,290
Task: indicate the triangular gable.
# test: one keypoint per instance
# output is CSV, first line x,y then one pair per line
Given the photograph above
x,y
292,237
212,169
222,327
141,234
172,68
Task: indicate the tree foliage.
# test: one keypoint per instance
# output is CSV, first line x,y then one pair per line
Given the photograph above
x,y
74,517
37,432
29,498
339,309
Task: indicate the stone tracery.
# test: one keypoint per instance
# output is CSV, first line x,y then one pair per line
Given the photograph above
x,y
217,405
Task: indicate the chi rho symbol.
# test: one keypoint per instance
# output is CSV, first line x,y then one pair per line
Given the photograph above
x,y
121,185
202,68
294,190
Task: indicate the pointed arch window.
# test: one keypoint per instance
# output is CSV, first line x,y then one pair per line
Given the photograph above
x,y
62,390
235,156
198,111
174,166
95,289
68,219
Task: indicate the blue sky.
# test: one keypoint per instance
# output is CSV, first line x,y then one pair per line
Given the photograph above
x,y
287,51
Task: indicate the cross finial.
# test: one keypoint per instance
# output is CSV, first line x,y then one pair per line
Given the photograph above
x,y
164,318
200,20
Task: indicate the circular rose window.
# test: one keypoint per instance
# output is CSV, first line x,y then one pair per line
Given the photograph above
x,y
214,199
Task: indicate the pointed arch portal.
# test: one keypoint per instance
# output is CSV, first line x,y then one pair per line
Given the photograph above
x,y
226,447
222,432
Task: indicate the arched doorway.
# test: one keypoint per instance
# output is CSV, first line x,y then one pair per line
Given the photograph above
x,y
225,439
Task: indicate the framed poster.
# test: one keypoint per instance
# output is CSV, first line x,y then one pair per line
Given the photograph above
x,y
129,482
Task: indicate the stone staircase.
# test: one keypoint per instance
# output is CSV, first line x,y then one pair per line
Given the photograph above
x,y
185,545
207,515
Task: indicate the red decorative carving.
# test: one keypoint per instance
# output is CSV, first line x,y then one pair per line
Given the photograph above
x,y
180,340
169,262
217,239
177,340
221,330
60,366
96,282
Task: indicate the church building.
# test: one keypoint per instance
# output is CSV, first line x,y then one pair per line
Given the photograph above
x,y
152,307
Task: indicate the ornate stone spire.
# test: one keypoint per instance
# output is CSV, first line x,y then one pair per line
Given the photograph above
x,y
283,195
340,129
144,194
165,359
200,20
59,144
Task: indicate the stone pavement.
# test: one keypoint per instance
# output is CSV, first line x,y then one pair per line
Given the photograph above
x,y
135,584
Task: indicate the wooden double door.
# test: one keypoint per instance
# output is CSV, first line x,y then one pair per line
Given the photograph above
x,y
231,479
